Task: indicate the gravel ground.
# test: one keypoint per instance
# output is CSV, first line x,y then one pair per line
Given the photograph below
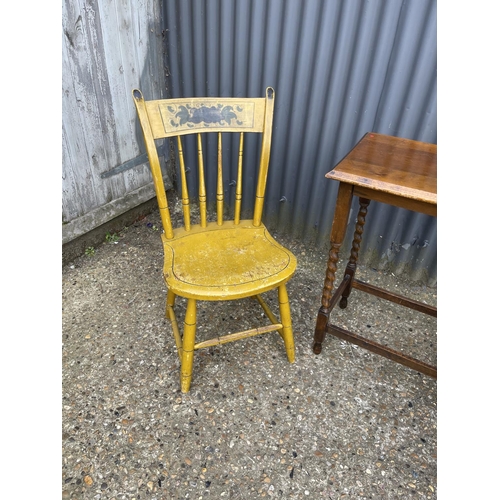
x,y
343,424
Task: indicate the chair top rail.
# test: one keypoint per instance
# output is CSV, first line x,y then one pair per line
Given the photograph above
x,y
197,115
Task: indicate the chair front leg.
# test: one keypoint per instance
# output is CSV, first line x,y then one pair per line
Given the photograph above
x,y
286,321
188,345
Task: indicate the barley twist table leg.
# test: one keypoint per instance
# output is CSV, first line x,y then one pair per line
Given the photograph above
x,y
339,226
356,242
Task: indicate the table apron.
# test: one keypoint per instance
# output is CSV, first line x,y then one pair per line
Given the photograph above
x,y
397,200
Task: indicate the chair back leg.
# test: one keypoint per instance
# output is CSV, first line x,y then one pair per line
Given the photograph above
x,y
173,320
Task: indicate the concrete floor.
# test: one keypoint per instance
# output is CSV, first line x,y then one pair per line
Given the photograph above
x,y
343,424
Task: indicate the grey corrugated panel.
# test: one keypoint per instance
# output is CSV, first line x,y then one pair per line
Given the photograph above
x,y
340,69
350,109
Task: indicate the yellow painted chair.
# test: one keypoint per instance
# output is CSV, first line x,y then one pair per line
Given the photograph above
x,y
217,260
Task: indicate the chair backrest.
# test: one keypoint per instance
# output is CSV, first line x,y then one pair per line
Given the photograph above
x,y
165,118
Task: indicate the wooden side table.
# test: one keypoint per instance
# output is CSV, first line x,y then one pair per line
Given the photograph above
x,y
387,169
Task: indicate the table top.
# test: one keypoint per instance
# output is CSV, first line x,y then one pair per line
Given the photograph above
x,y
392,165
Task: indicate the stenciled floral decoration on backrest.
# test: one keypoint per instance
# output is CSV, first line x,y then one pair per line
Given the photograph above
x,y
186,116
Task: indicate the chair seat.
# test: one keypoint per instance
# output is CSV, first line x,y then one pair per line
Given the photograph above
x,y
223,262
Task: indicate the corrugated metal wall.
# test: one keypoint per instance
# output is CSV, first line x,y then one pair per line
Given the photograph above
x,y
108,48
340,68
